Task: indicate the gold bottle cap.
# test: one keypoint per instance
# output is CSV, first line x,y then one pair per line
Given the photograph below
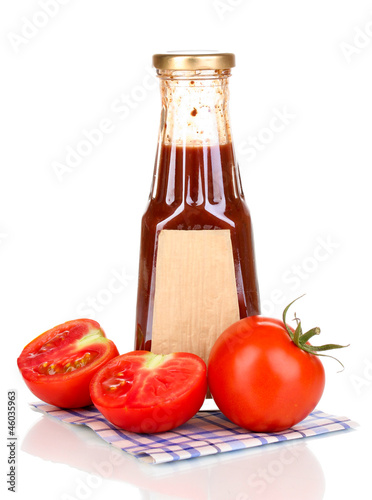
x,y
193,60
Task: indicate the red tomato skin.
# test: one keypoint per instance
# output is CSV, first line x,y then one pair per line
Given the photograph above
x,y
70,394
134,414
260,379
69,390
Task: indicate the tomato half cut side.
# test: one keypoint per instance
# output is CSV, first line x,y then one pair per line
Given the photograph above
x,y
145,392
59,364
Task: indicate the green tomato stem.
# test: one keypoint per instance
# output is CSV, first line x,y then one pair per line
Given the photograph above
x,y
301,339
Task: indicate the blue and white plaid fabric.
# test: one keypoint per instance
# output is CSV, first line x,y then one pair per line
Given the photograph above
x,y
207,433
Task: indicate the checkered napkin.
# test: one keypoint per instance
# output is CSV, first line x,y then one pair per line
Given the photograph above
x,y
207,433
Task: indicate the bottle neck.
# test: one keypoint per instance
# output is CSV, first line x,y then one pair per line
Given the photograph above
x,y
194,108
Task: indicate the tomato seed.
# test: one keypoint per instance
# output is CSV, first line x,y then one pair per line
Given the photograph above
x,y
66,367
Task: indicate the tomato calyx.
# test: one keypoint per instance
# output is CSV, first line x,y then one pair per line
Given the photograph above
x,y
301,339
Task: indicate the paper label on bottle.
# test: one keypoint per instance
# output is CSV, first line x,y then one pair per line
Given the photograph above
x,y
195,291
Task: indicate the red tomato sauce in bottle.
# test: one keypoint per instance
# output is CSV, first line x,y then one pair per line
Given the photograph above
x,y
196,184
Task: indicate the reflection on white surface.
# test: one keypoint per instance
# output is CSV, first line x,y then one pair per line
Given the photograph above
x,y
283,471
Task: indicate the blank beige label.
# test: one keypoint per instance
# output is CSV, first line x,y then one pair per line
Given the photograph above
x,y
195,291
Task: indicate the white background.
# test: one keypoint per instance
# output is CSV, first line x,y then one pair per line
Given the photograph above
x,y
64,239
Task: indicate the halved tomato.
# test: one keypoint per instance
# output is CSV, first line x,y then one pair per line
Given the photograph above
x,y
58,365
145,392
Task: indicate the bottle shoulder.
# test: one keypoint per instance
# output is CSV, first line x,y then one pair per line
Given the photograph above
x,y
207,216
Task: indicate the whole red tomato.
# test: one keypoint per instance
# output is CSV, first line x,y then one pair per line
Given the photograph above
x,y
58,365
145,392
260,379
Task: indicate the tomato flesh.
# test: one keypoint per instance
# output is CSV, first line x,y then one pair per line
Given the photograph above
x,y
260,379
144,392
58,365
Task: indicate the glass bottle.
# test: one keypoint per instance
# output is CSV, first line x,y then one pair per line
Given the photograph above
x,y
196,187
